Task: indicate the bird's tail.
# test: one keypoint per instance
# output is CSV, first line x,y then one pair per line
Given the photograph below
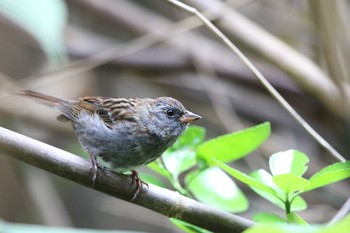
x,y
44,99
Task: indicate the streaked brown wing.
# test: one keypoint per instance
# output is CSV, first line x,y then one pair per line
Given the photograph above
x,y
110,110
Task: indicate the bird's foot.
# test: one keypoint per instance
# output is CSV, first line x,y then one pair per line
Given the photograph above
x,y
94,167
135,179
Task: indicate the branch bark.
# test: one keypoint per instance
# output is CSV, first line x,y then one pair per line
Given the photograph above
x,y
75,168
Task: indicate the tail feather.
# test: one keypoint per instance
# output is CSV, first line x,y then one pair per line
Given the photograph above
x,y
45,99
69,109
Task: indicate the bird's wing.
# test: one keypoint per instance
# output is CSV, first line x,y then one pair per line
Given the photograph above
x,y
111,111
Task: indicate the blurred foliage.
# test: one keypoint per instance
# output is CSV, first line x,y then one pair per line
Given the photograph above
x,y
286,183
209,184
21,228
47,27
341,227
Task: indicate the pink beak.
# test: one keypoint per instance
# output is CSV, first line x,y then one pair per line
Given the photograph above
x,y
189,117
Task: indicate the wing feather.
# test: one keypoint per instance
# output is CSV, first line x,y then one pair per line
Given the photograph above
x,y
110,110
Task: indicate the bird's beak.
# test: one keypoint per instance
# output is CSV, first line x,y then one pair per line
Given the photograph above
x,y
189,117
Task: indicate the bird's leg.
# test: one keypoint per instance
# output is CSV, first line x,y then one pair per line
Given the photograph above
x,y
135,179
94,167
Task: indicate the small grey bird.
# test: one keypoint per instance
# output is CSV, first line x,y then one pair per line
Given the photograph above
x,y
125,132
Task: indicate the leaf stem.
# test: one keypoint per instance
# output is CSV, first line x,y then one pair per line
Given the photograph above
x,y
176,184
287,204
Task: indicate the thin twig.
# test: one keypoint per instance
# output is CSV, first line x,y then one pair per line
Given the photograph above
x,y
300,68
344,210
158,199
261,78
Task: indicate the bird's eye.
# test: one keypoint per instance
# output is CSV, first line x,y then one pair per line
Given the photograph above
x,y
170,112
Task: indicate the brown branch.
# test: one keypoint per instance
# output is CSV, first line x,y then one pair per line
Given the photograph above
x,y
75,168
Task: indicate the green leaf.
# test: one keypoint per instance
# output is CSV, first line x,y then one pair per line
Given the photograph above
x,y
290,183
187,227
179,161
230,147
298,204
288,162
192,137
282,228
340,227
295,218
45,20
262,228
248,180
264,217
158,167
182,155
330,174
265,178
279,196
214,187
152,179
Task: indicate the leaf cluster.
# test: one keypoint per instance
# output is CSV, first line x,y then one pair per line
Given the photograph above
x,y
199,169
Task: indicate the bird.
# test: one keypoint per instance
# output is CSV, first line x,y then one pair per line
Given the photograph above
x,y
124,132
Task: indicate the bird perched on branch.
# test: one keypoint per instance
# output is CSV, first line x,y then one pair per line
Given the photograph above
x,y
124,132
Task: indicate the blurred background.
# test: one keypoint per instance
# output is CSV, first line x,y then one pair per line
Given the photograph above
x,y
150,48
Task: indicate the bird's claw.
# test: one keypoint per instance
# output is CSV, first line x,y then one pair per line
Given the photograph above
x,y
135,179
94,167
